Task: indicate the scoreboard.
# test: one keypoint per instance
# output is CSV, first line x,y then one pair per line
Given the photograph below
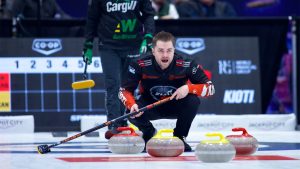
x,y
37,84
36,77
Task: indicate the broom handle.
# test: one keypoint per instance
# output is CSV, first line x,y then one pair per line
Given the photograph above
x,y
85,68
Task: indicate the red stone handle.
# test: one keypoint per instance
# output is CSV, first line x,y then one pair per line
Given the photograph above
x,y
245,133
132,132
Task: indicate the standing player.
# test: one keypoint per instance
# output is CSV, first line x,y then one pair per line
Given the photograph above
x,y
162,74
124,29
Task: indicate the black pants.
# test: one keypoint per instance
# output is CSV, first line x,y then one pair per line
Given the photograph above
x,y
115,65
184,110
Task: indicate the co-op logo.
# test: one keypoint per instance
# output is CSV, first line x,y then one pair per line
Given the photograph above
x,y
46,46
190,46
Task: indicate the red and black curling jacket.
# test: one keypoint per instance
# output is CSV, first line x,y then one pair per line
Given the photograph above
x,y
155,83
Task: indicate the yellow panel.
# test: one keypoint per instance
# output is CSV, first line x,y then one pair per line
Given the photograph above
x,y
5,102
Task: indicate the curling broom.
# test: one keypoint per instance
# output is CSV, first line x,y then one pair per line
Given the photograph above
x,y
85,83
43,149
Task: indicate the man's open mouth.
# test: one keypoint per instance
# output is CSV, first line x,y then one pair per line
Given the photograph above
x,y
164,60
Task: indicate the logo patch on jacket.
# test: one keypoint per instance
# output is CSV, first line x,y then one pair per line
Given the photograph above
x,y
125,29
157,92
123,7
131,69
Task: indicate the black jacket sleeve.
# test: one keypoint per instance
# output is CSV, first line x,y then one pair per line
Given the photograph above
x,y
196,73
148,16
92,20
133,77
18,7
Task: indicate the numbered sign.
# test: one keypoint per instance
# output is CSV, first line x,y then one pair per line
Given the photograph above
x,y
48,65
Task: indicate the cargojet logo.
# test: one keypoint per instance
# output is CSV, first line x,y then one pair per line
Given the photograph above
x,y
46,46
239,96
157,92
124,6
229,67
190,46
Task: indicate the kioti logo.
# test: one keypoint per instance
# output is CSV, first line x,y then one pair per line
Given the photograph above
x,y
238,96
190,46
46,46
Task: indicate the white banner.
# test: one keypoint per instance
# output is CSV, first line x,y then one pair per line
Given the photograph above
x,y
88,122
215,123
16,124
48,65
257,122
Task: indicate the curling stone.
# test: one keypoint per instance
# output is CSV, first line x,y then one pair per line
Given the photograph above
x,y
126,143
215,151
164,146
244,144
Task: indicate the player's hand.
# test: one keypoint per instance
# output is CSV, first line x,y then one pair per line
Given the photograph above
x,y
180,93
88,52
146,44
208,89
135,108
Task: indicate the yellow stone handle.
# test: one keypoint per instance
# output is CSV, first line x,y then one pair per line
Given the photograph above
x,y
159,133
222,139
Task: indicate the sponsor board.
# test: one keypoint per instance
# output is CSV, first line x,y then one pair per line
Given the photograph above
x,y
259,122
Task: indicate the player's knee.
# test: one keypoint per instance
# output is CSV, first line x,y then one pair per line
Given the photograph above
x,y
192,100
192,103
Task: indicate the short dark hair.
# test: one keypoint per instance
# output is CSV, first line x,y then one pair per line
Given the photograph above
x,y
163,36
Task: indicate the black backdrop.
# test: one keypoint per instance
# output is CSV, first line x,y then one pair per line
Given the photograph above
x,y
270,33
298,68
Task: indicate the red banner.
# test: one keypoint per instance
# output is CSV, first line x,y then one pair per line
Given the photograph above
x,y
4,82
